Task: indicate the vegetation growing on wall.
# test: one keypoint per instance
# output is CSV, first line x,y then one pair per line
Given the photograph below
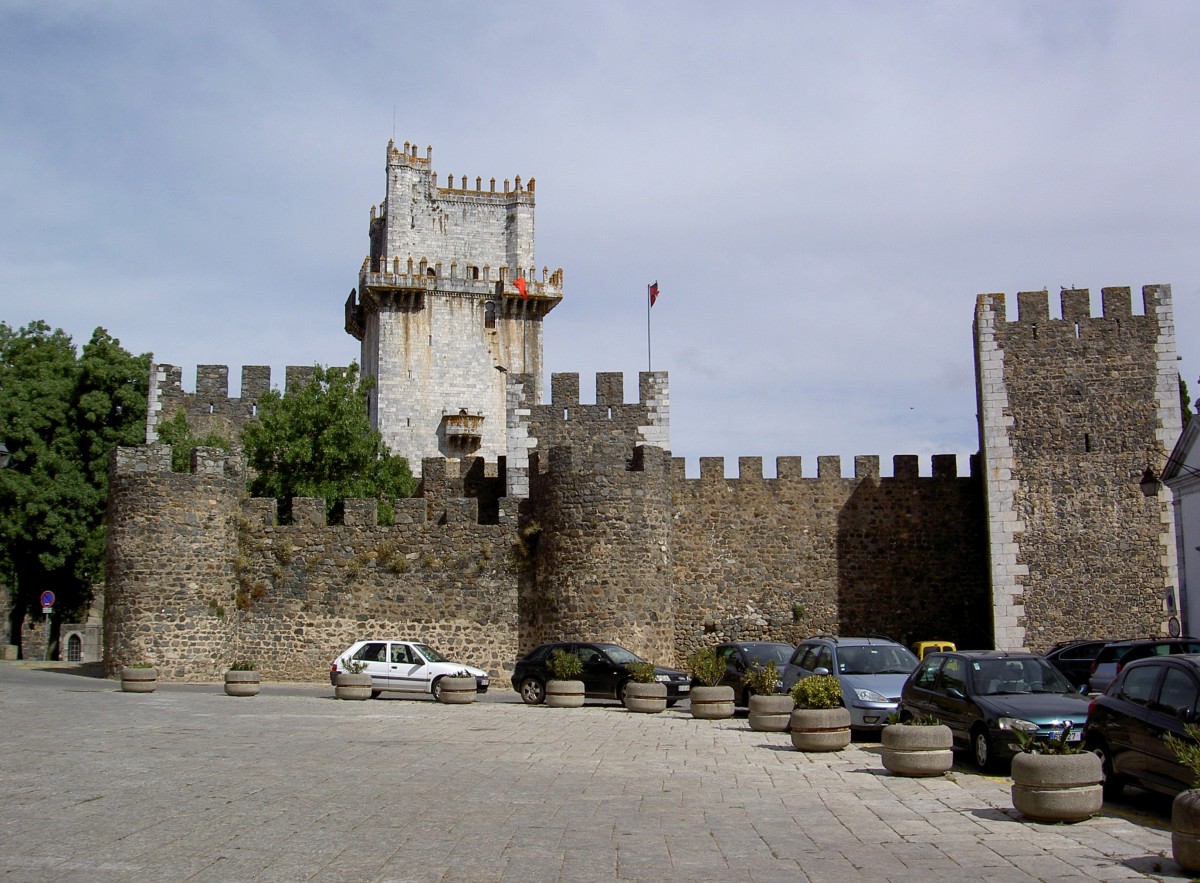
x,y
61,414
176,433
316,441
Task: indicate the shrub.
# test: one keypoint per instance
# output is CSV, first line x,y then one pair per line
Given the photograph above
x,y
641,672
1187,752
352,666
921,720
817,691
706,666
1031,744
564,666
764,679
243,665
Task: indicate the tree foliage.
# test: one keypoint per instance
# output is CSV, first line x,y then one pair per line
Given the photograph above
x,y
1184,401
176,433
316,441
61,414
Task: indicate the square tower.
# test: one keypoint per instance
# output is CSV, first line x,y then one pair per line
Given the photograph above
x,y
448,303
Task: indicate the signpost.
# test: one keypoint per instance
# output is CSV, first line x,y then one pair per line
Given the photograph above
x,y
47,601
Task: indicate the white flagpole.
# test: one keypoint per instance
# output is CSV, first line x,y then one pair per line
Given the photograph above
x,y
649,360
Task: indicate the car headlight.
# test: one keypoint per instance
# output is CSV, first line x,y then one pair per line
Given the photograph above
x,y
1016,723
662,679
870,696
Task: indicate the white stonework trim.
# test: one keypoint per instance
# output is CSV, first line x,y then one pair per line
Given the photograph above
x,y
1157,298
1003,523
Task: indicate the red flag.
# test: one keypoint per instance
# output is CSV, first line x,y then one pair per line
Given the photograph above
x,y
653,293
519,284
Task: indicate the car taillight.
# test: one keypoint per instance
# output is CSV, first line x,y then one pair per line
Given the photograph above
x,y
1091,707
1120,665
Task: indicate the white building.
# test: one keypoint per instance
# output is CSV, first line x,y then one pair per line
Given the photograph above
x,y
1182,476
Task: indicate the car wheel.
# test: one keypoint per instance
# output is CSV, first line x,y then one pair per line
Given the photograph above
x,y
375,694
533,691
622,688
671,703
436,688
1110,782
981,747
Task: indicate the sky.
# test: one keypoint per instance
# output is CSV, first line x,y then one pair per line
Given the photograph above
x,y
819,189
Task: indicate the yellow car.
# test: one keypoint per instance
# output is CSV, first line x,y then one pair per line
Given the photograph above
x,y
922,647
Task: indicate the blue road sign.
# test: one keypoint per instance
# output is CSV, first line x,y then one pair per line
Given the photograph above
x,y
47,598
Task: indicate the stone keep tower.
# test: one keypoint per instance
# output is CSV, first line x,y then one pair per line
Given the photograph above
x,y
1072,411
448,302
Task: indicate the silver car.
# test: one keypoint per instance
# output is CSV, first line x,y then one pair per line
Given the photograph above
x,y
872,672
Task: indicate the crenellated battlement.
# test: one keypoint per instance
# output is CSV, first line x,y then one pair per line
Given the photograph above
x,y
406,157
905,467
211,405
1075,311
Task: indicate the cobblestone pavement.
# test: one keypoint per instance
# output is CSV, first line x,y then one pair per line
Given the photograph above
x,y
189,784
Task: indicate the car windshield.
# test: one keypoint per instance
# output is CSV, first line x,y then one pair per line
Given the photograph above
x,y
620,655
761,654
998,677
875,660
430,654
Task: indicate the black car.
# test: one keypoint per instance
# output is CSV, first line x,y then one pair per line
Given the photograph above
x,y
1127,726
1116,655
604,672
1074,659
986,696
743,657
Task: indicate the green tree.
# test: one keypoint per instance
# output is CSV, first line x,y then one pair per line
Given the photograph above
x,y
1184,401
317,441
60,416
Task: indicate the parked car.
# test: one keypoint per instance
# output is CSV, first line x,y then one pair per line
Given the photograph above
x,y
743,657
986,696
1074,659
1127,726
1113,657
604,673
871,671
921,649
403,666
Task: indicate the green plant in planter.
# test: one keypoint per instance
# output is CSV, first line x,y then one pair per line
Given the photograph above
x,y
921,720
818,691
764,679
243,665
140,665
352,666
1031,744
706,666
641,672
564,666
1187,752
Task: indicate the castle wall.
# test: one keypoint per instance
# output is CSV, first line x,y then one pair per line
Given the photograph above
x,y
784,558
200,578
1072,411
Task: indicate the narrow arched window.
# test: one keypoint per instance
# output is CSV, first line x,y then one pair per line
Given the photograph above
x,y
489,314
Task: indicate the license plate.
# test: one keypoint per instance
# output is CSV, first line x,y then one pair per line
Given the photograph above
x,y
684,688
1074,736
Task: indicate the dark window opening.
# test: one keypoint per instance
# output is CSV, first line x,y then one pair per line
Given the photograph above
x,y
1087,442
489,314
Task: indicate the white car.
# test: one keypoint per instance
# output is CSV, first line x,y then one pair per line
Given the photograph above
x,y
403,666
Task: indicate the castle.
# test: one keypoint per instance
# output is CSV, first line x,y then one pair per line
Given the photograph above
x,y
568,519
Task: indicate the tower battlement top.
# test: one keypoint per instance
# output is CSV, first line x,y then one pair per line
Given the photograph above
x,y
1075,304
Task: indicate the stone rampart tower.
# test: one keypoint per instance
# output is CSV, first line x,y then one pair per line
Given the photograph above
x,y
1072,411
448,302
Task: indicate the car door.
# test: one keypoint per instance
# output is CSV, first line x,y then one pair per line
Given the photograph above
x,y
599,672
735,668
1174,704
1124,727
954,708
410,670
374,657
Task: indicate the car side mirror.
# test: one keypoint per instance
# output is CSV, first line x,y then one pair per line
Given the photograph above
x,y
1083,690
820,670
955,693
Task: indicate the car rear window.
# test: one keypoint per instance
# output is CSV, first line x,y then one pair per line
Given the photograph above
x,y
1138,685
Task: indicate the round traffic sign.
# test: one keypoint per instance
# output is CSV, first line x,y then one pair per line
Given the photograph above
x,y
47,598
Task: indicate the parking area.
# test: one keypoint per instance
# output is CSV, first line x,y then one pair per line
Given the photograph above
x,y
188,784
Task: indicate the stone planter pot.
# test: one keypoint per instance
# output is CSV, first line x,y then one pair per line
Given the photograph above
x,y
455,691
711,703
564,694
1057,787
241,683
770,714
645,698
352,686
916,750
820,729
139,680
1185,829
